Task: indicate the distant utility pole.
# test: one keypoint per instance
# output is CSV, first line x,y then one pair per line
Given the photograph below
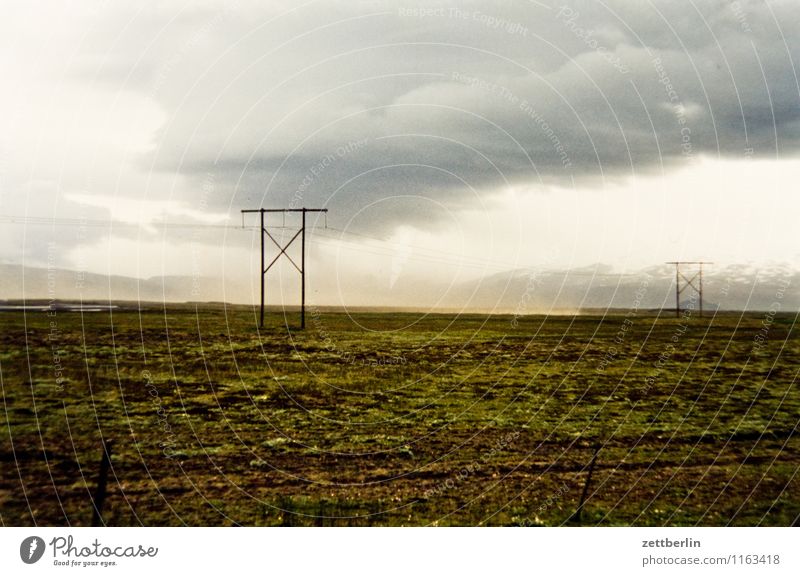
x,y
301,268
689,283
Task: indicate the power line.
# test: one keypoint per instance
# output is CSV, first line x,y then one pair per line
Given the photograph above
x,y
419,253
390,249
95,223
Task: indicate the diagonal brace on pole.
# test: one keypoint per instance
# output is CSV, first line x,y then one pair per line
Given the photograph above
x,y
283,250
689,281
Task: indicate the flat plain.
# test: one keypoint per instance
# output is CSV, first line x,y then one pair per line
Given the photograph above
x,y
386,418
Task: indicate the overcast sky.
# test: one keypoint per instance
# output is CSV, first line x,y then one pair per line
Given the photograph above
x,y
448,139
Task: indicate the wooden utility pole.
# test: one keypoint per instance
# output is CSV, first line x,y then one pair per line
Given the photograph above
x,y
263,273
282,252
99,497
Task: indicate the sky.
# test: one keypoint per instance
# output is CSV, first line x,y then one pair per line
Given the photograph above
x,y
448,140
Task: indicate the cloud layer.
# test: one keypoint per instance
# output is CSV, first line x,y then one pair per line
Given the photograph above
x,y
389,113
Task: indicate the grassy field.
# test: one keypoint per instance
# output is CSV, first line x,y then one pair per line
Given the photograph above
x,y
399,419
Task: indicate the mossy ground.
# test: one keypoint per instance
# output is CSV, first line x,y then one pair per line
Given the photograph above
x,y
399,419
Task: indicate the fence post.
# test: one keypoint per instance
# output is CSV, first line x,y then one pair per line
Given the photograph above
x,y
579,512
102,481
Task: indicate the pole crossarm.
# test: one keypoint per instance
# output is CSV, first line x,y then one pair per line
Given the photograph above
x,y
272,210
282,252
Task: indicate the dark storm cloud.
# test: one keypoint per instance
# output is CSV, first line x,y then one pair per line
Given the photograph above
x,y
452,100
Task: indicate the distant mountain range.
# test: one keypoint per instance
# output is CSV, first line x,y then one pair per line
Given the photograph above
x,y
593,287
520,292
18,282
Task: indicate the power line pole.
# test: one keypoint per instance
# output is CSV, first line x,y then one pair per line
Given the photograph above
x,y
689,282
263,273
303,279
302,268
